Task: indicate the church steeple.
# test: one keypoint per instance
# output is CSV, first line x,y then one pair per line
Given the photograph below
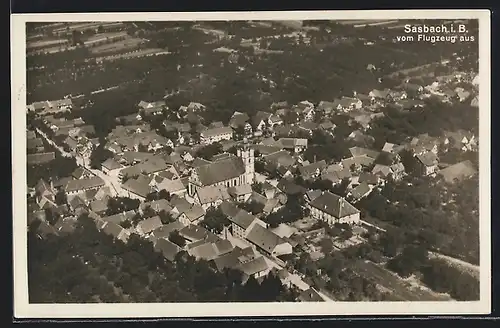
x,y
246,153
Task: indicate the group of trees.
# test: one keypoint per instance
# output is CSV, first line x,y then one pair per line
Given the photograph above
x,y
135,269
292,211
118,205
333,273
60,167
438,215
99,155
215,220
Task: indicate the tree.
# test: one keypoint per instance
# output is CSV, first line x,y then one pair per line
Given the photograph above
x,y
166,217
99,155
326,245
176,238
50,216
257,187
61,198
208,151
126,224
341,188
215,220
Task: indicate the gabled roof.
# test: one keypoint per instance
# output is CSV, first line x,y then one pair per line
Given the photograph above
x,y
206,251
165,230
334,205
360,191
223,246
150,224
369,178
240,190
360,151
310,295
428,158
255,266
311,169
167,248
136,187
158,205
119,218
40,158
313,194
82,184
220,171
195,233
111,164
458,171
216,132
290,188
382,170
264,238
281,158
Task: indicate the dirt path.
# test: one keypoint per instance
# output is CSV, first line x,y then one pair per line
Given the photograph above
x,y
463,265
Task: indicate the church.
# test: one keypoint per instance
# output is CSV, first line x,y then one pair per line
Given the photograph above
x,y
228,170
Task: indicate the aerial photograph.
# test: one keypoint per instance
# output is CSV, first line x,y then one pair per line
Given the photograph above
x,y
252,161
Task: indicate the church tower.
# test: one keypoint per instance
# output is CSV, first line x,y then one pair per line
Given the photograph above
x,y
246,154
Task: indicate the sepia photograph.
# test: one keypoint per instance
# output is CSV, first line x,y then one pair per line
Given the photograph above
x,y
251,163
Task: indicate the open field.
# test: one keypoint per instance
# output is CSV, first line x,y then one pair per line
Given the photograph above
x,y
134,54
85,25
400,289
121,45
105,36
44,43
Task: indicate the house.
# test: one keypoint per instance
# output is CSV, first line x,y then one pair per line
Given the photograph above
x,y
462,94
194,233
240,193
308,126
428,163
309,295
458,171
279,158
326,107
238,119
40,158
168,249
362,190
261,120
474,102
312,195
241,220
51,107
257,268
173,187
111,167
234,258
424,143
30,135
136,188
398,171
210,136
115,231
205,251
307,110
211,196
463,140
369,178
391,148
296,145
312,171
267,241
376,94
147,226
192,215
382,171
327,126
82,173
81,185
332,209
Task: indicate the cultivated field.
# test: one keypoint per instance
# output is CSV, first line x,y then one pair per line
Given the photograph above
x,y
122,45
134,54
44,43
